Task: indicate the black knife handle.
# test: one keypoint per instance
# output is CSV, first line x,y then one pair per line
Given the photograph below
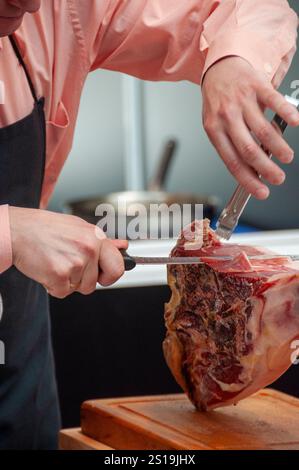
x,y
129,262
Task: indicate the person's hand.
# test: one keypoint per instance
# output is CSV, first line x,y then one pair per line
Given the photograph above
x,y
235,96
63,252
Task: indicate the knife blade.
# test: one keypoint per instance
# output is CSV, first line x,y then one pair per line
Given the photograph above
x,y
229,217
132,261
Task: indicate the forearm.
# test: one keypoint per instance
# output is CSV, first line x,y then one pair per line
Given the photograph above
x,y
5,239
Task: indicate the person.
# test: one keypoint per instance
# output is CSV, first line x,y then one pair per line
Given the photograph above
x,y
239,51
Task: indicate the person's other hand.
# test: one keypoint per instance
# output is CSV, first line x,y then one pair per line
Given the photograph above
x,y
235,96
63,252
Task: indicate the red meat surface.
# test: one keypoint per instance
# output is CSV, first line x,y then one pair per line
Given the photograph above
x,y
230,324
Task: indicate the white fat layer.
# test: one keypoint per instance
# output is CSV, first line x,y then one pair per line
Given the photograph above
x,y
230,387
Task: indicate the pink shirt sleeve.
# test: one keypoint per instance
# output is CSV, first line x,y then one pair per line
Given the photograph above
x,y
5,240
263,32
179,40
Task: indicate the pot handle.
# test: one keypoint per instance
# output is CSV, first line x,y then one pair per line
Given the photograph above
x,y
158,180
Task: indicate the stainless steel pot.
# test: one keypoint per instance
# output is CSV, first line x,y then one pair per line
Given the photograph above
x,y
121,201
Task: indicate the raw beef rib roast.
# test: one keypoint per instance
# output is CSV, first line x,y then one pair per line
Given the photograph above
x,y
230,324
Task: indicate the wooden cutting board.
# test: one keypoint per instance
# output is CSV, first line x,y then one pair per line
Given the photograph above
x,y
266,420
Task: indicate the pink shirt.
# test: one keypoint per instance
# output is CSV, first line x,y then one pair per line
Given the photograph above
x,y
151,39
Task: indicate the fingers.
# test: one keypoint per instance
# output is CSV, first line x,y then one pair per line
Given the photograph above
x,y
64,279
233,108
266,134
252,154
111,263
273,100
96,260
91,274
73,280
62,252
236,165
89,279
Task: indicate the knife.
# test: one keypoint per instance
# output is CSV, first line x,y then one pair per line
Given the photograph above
x,y
132,261
230,216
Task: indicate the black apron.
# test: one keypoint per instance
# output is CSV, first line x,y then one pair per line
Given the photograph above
x,y
29,416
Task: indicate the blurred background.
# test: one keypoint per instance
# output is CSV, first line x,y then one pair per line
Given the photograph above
x,y
109,343
98,163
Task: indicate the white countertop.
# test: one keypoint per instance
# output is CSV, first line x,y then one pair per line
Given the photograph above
x,y
282,242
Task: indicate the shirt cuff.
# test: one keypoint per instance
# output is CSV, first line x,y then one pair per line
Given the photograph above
x,y
5,239
265,59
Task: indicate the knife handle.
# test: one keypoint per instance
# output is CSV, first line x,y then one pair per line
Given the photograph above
x,y
129,262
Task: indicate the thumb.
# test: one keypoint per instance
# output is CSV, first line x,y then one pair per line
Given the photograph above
x,y
120,244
